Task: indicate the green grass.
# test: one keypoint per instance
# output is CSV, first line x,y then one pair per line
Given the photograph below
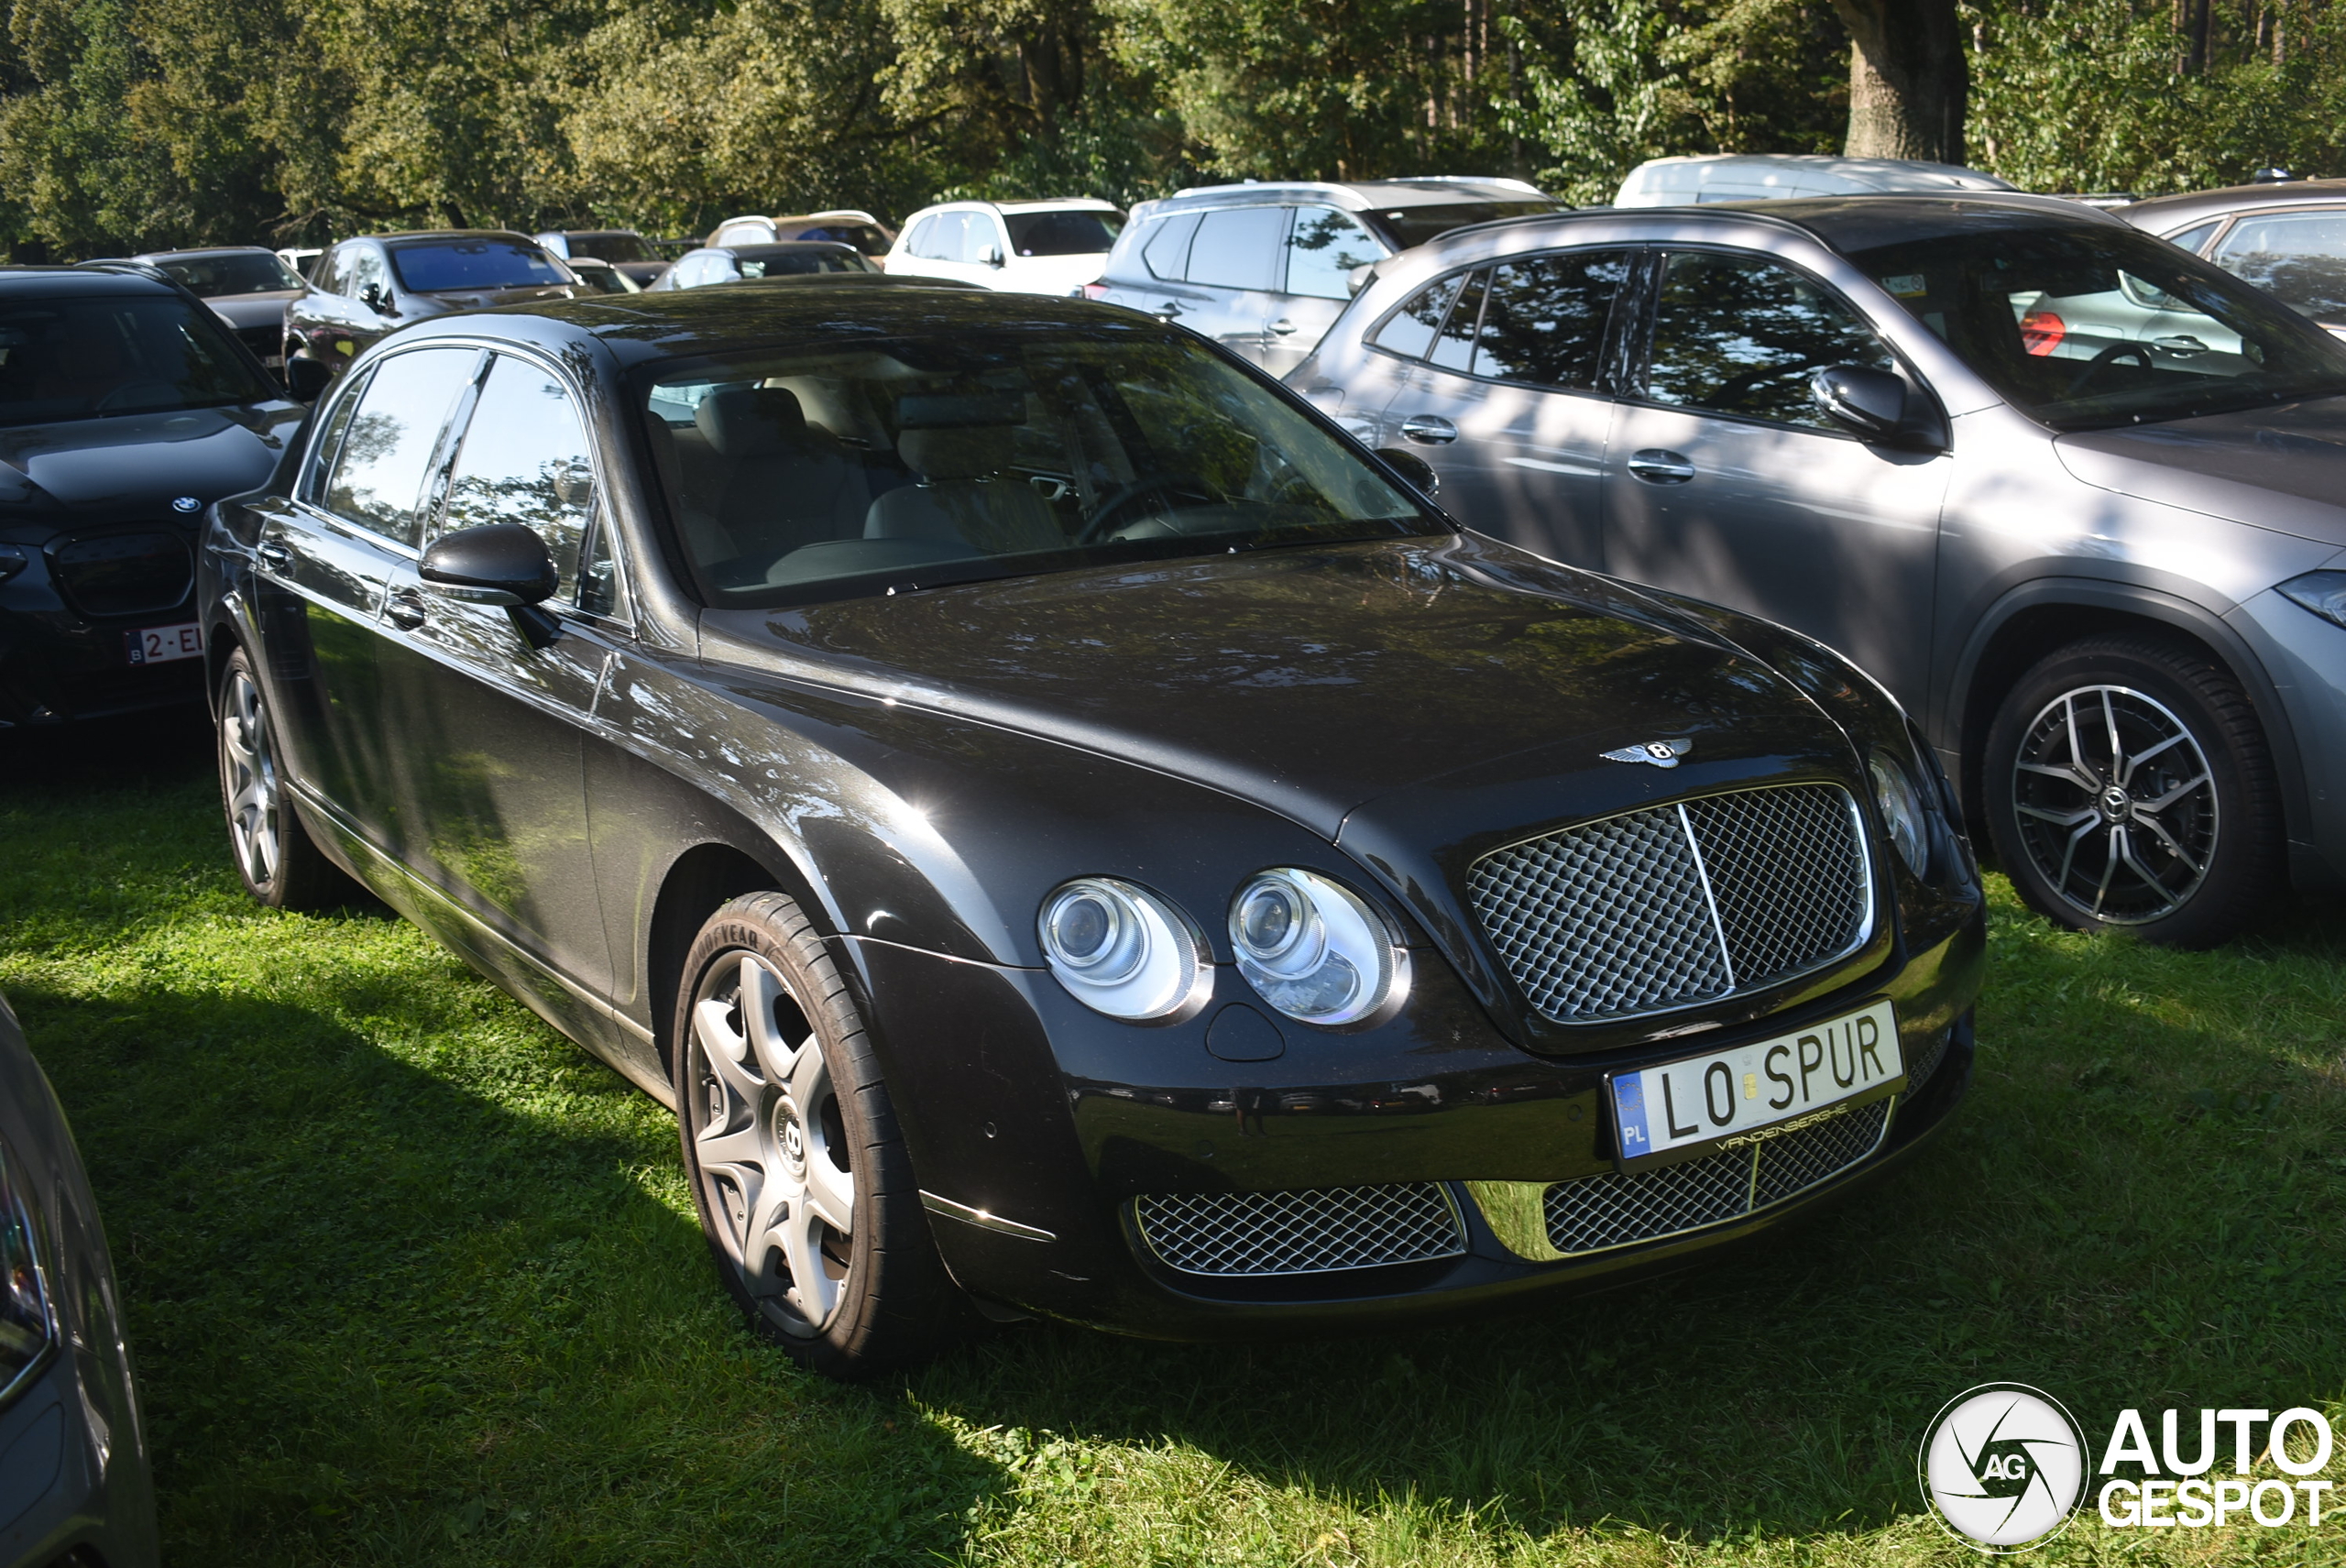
x,y
413,1280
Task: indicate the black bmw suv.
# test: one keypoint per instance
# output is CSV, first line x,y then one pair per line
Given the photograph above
x,y
125,409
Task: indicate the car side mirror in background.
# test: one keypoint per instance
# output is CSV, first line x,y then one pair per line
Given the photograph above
x,y
306,380
1878,406
500,564
376,298
991,256
1414,469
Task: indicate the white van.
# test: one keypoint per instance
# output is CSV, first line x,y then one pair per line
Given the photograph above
x,y
1760,177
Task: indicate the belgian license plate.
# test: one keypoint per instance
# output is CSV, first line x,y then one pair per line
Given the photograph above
x,y
1702,1100
161,645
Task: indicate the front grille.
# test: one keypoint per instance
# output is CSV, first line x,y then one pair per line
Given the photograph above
x,y
123,574
1615,1209
1926,1060
1676,904
1259,1234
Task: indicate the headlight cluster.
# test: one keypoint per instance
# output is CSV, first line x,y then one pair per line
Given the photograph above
x,y
1901,811
28,1328
1312,947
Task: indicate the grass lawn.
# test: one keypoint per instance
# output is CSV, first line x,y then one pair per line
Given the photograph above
x,y
412,1280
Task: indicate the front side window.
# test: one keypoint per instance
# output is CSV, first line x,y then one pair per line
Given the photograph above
x,y
432,267
825,474
524,460
362,269
1238,247
2300,258
102,355
1062,233
222,277
1735,335
1545,318
379,475
1323,250
2087,326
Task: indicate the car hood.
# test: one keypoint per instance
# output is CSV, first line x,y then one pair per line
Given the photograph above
x,y
241,311
486,299
1306,680
2281,468
139,463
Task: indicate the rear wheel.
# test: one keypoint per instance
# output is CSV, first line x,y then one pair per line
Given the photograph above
x,y
281,865
2130,786
805,1194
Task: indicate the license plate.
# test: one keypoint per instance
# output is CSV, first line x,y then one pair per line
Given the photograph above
x,y
161,645
1704,1100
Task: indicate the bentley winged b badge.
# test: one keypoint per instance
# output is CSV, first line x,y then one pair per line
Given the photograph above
x,y
1661,753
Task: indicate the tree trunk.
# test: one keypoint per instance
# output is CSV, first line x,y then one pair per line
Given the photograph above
x,y
1908,78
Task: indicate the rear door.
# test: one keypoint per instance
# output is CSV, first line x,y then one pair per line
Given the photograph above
x,y
1234,264
1727,481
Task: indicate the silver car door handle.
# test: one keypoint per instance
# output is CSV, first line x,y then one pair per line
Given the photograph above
x,y
405,610
275,556
1165,311
1283,326
1656,466
1429,430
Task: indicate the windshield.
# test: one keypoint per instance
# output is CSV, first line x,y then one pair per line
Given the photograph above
x,y
798,263
1063,234
1406,226
76,358
243,273
611,245
864,236
2089,327
442,265
882,467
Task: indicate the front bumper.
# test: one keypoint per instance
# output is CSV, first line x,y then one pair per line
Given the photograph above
x,y
58,665
69,1478
1044,1134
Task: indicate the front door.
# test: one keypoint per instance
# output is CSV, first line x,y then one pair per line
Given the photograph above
x,y
1324,246
1725,481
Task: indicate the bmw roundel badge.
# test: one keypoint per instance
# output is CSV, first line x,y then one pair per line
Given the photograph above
x,y
185,503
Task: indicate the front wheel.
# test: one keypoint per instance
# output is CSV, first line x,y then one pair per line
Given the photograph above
x,y
282,866
2128,785
806,1193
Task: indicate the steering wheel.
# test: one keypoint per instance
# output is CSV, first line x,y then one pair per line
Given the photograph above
x,y
1186,485
147,391
2138,352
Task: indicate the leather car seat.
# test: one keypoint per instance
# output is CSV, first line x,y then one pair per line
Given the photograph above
x,y
773,482
964,496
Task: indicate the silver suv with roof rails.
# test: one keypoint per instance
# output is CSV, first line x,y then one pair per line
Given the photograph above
x,y
2074,496
1264,269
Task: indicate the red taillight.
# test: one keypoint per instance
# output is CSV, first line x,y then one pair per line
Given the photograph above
x,y
1095,291
2041,331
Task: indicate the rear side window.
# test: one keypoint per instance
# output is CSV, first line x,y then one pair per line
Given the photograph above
x,y
379,475
1323,250
1545,318
1453,345
1238,247
524,460
1737,335
1167,252
1411,329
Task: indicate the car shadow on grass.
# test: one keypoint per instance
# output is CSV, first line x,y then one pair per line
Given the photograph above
x,y
2136,1207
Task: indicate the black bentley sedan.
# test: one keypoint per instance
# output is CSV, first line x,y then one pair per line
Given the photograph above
x,y
1069,832
125,408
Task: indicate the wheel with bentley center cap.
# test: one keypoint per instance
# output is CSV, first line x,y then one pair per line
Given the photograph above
x,y
2129,787
804,1188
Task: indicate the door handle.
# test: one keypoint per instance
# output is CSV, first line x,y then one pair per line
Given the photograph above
x,y
1656,466
405,609
1283,327
275,556
1165,311
1429,430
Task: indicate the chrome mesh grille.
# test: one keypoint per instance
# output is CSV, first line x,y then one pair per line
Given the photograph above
x,y
1299,1233
1927,1061
1677,905
1613,1209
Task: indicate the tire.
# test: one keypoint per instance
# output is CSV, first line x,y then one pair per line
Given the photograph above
x,y
2181,840
282,866
805,1194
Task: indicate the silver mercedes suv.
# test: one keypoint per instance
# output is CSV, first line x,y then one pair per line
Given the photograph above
x,y
2076,497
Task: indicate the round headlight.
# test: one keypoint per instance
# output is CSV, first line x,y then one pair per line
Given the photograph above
x,y
1121,949
1314,949
1902,812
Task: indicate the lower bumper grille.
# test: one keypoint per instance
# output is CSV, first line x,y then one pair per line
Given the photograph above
x,y
1260,1235
1616,1209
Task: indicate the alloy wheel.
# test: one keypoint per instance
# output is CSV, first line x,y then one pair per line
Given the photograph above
x,y
249,757
769,1143
2116,804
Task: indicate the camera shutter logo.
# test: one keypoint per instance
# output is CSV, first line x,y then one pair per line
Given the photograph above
x,y
2003,1465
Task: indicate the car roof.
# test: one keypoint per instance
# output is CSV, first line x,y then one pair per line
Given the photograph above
x,y
203,251
1052,204
2164,215
1852,222
1363,195
426,236
65,283
637,328
788,247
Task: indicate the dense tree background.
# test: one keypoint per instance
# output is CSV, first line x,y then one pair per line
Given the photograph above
x,y
136,123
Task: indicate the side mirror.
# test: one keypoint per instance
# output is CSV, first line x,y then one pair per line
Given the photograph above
x,y
306,380
991,256
375,299
500,564
1413,468
1869,404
